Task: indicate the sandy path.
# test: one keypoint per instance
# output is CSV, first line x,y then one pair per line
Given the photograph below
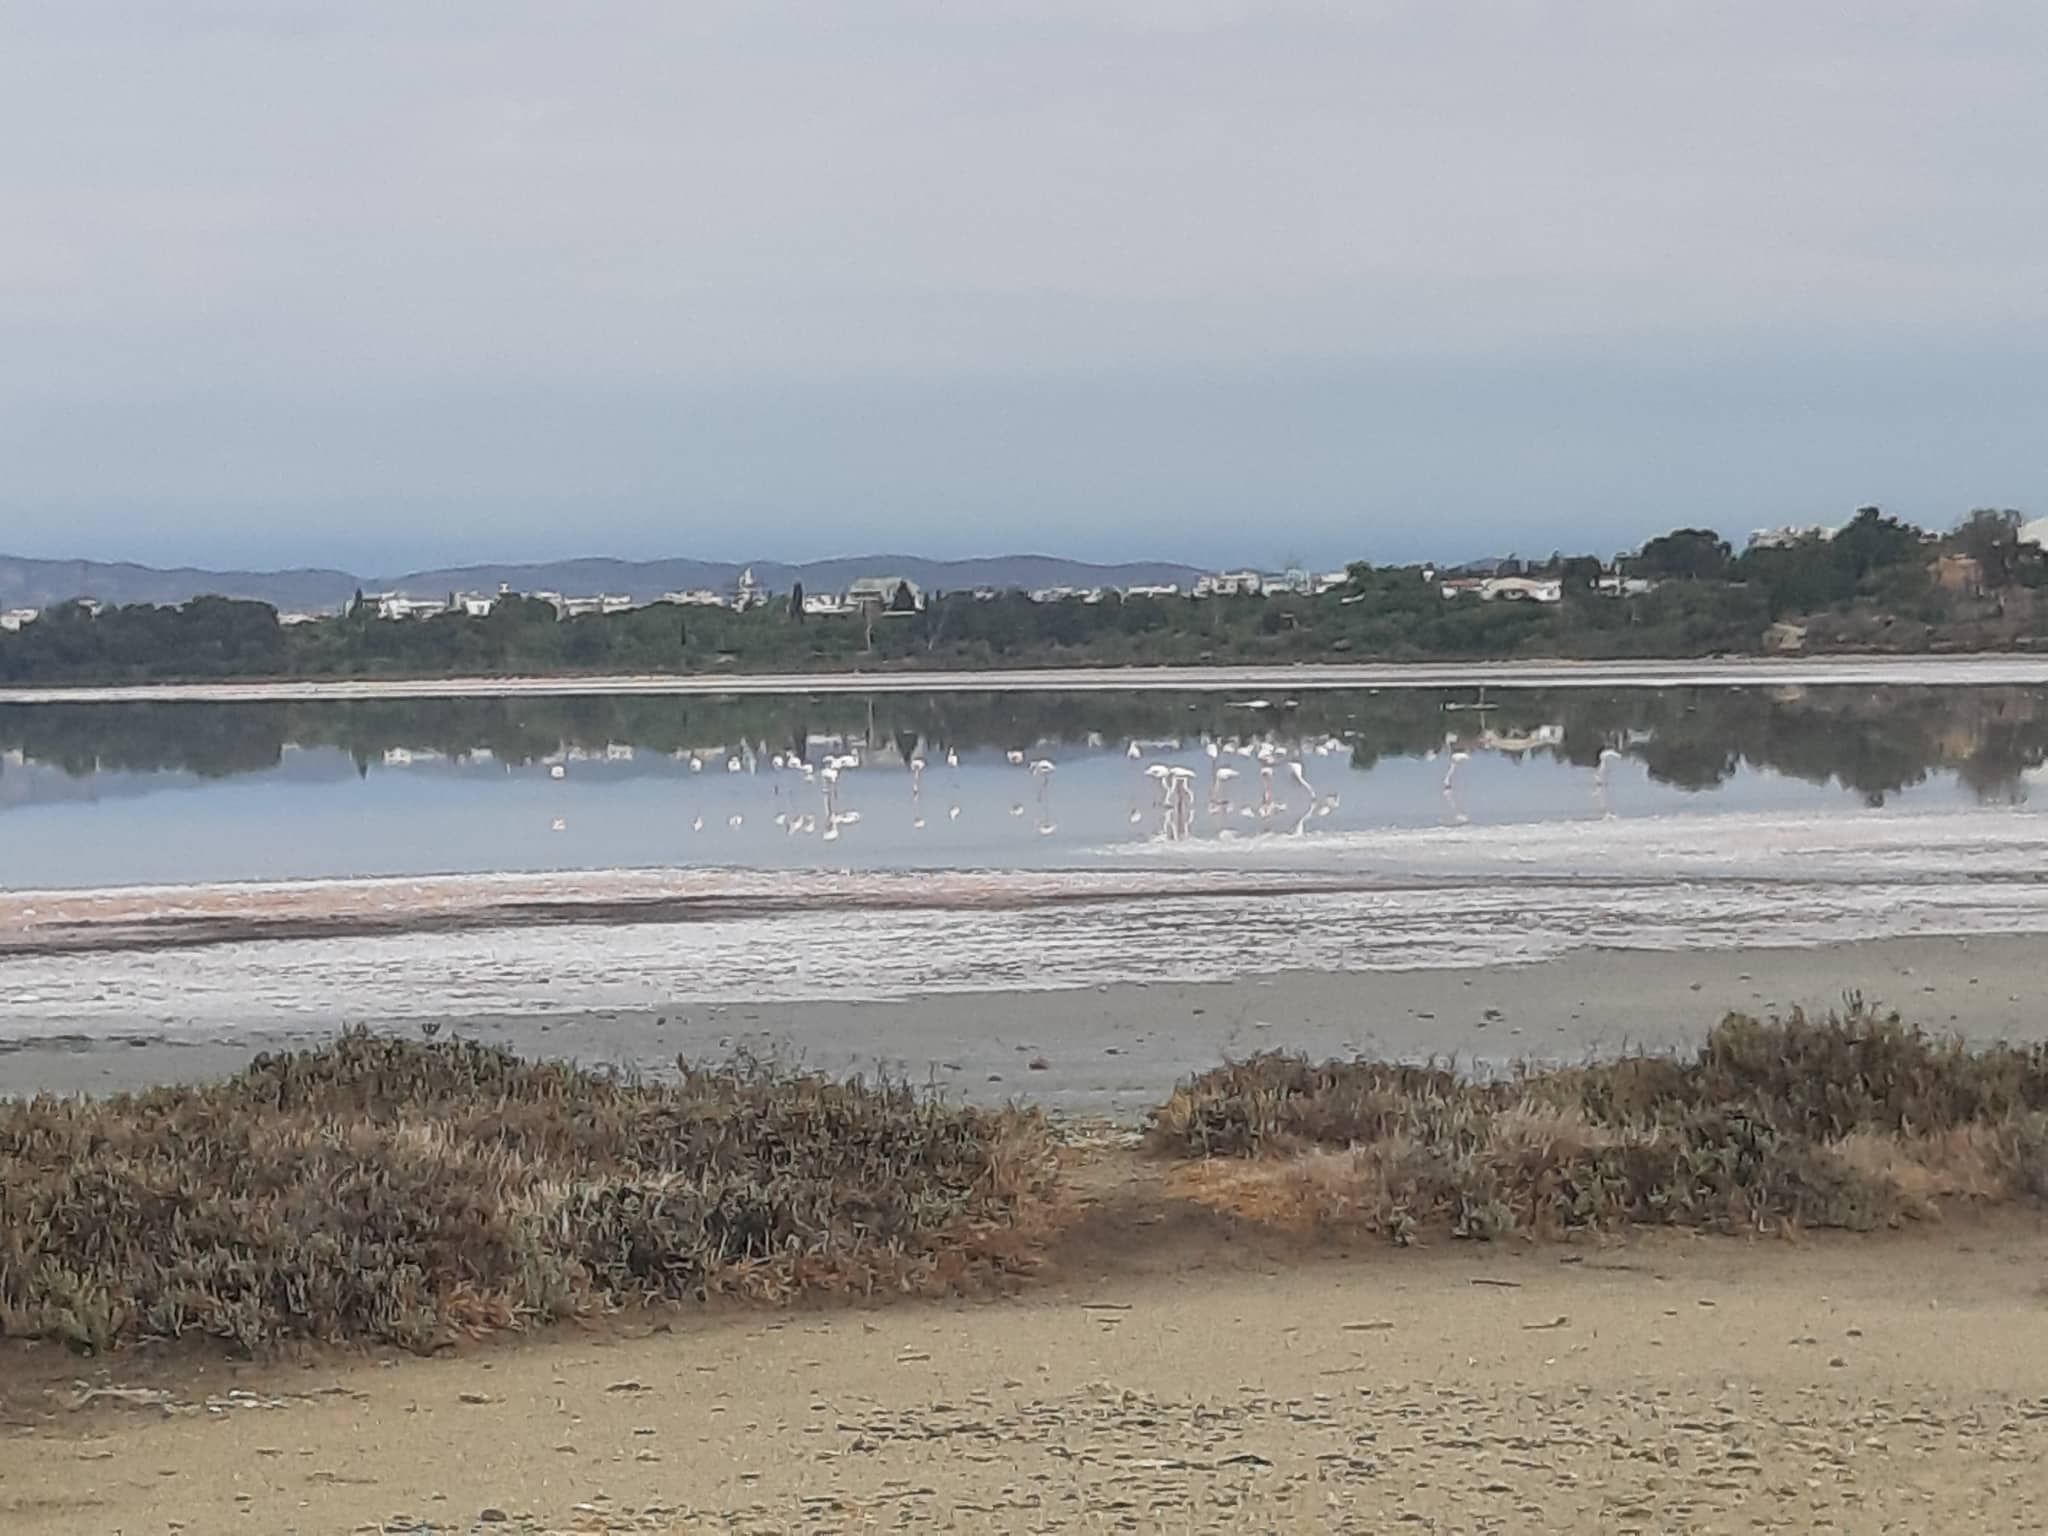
x,y
1117,1050
1195,1381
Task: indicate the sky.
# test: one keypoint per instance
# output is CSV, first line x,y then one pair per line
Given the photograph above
x,y
384,285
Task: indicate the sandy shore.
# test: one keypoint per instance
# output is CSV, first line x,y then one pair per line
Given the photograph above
x,y
1116,1050
1196,1378
1648,673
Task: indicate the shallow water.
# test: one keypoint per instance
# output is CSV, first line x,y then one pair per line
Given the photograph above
x,y
196,867
111,795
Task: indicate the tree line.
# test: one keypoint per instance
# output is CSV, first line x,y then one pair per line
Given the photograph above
x,y
1877,583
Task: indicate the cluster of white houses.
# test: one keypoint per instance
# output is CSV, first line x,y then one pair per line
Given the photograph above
x,y
883,594
866,594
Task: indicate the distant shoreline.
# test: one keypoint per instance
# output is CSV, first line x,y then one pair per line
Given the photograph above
x,y
1730,672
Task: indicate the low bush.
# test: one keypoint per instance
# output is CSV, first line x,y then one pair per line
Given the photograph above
x,y
406,1192
1848,1121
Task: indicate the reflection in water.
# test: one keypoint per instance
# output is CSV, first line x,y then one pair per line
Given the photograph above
x,y
1874,742
275,790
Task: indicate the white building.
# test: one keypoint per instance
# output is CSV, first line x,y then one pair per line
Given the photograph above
x,y
579,607
396,605
1230,584
1623,586
825,605
697,597
878,593
1511,589
1786,537
1157,589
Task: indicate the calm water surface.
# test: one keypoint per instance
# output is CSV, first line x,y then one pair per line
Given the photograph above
x,y
213,871
120,794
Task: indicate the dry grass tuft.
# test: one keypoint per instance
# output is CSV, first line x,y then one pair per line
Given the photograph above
x,y
382,1189
1849,1121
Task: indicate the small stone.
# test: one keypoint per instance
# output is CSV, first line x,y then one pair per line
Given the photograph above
x,y
492,1516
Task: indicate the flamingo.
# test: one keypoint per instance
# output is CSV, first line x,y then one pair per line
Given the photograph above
x,y
559,825
952,757
1180,802
697,824
558,772
1219,795
1015,756
1608,758
1458,760
1133,752
696,763
1301,778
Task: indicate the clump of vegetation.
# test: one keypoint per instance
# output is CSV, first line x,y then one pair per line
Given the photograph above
x,y
408,1192
1849,1121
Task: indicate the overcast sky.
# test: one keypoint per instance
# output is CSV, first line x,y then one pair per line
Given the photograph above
x,y
383,285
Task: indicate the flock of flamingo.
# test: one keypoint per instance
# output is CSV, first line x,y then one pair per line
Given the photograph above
x,y
1174,801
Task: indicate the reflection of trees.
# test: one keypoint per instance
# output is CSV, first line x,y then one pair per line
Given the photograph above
x,y
1873,742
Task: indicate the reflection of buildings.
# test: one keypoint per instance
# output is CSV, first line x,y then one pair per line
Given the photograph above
x,y
1520,743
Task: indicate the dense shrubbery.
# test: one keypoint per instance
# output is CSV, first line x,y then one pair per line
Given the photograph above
x,y
405,1192
1843,1122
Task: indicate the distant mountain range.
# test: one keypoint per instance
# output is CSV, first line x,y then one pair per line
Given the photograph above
x,y
40,583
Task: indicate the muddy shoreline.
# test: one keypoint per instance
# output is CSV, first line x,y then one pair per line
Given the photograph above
x,y
1116,1050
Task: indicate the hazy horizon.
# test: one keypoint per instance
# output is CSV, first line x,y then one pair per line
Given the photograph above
x,y
383,288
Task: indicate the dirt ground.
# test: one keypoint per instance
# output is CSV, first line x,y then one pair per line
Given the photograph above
x,y
1173,1371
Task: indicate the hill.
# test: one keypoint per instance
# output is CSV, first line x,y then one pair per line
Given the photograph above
x,y
28,583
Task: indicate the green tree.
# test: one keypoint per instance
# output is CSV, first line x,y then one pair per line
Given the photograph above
x,y
1684,554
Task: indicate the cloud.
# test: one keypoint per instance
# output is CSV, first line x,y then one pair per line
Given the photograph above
x,y
279,253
